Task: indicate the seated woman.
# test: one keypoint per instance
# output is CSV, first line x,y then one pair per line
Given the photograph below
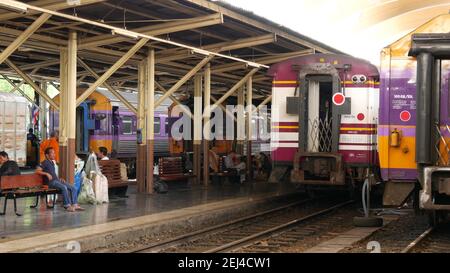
x,y
8,167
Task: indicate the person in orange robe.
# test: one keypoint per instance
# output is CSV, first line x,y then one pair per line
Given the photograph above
x,y
52,142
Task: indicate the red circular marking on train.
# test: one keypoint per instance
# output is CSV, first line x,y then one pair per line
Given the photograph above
x,y
405,116
338,99
360,117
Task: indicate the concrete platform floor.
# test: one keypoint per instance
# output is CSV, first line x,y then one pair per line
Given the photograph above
x,y
41,220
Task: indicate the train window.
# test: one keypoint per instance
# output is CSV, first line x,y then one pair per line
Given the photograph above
x,y
127,125
157,126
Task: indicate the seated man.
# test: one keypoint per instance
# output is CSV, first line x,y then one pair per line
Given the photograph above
x,y
103,153
47,169
8,167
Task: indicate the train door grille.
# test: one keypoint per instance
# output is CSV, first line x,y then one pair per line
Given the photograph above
x,y
320,138
442,146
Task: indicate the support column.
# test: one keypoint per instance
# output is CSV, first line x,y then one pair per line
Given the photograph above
x,y
70,108
249,131
198,125
206,129
43,110
240,121
150,103
141,146
62,113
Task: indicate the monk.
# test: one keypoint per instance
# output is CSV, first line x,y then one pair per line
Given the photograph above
x,y
52,142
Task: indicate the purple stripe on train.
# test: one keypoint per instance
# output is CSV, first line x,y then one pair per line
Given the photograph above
x,y
399,174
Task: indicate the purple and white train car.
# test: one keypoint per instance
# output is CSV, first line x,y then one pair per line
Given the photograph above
x,y
324,118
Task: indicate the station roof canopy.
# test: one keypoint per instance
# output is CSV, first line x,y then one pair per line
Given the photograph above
x,y
181,31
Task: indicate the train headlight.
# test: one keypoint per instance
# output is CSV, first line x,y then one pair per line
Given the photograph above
x,y
359,79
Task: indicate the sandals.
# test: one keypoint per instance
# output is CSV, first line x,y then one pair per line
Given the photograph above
x,y
70,209
74,208
78,208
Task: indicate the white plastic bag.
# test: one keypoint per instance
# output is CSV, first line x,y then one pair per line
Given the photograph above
x,y
100,187
87,194
99,181
92,164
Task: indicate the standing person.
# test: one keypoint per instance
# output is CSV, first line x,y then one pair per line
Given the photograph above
x,y
102,153
52,142
47,169
31,136
8,167
32,149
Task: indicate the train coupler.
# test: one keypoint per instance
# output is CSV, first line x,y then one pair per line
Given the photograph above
x,y
435,193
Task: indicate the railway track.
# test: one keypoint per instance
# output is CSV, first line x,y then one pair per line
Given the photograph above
x,y
433,240
245,231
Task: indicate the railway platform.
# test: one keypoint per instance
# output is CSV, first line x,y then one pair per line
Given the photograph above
x,y
43,226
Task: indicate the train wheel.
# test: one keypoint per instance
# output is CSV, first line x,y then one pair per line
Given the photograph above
x,y
367,221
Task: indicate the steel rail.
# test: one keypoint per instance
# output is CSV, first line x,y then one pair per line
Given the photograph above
x,y
156,247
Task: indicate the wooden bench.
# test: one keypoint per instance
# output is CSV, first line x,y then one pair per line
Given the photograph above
x,y
172,169
111,170
27,185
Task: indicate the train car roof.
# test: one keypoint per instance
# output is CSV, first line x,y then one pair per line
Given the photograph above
x,y
284,69
131,97
400,48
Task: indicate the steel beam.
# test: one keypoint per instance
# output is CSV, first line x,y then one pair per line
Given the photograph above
x,y
179,54
184,79
263,60
28,80
225,110
264,102
16,87
235,87
155,30
108,86
23,37
39,65
175,100
112,70
51,5
261,25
